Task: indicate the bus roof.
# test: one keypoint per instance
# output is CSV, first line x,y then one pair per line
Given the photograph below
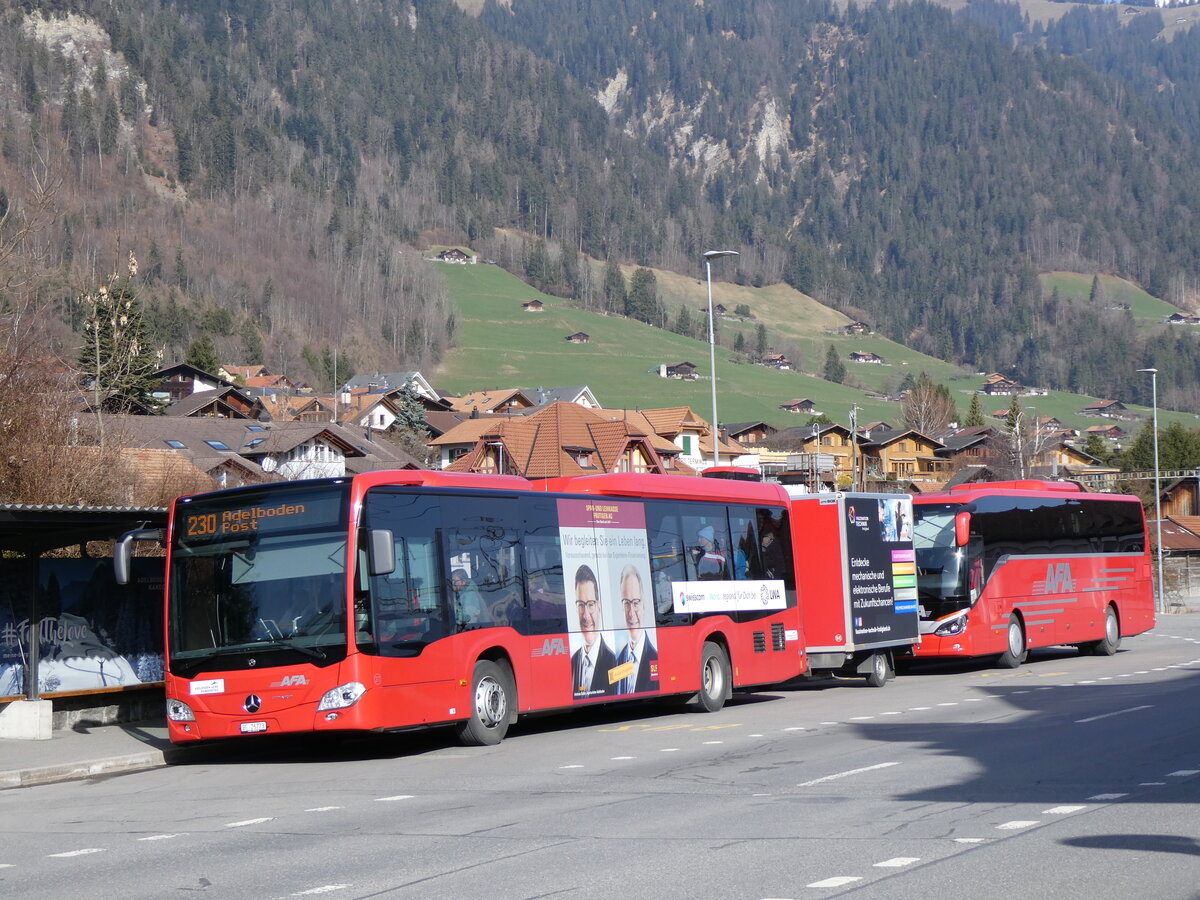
x,y
678,487
965,493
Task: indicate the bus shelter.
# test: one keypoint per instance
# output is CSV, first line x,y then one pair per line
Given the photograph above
x,y
67,629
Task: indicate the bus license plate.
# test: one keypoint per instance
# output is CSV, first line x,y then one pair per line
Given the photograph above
x,y
253,727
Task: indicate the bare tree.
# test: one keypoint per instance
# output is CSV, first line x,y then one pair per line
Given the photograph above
x,y
928,408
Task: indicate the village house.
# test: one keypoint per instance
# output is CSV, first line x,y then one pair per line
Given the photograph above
x,y
903,455
749,432
996,384
491,401
533,306
860,356
454,255
800,405
579,337
685,371
776,361
1108,409
1181,319
856,328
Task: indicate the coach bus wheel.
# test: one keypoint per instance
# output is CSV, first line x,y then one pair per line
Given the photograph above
x,y
714,677
880,670
490,706
1108,645
1015,653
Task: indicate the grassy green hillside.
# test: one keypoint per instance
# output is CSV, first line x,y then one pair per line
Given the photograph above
x,y
1147,310
498,344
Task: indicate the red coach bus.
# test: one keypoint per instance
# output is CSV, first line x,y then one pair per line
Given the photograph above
x,y
1006,566
394,600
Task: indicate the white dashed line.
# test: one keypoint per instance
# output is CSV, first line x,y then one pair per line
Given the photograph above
x,y
794,728
69,853
324,889
616,758
860,718
969,840
952,703
885,765
396,797
1088,681
973,700
1017,824
1183,773
324,808
897,862
1061,810
837,881
756,735
1119,712
714,742
1108,796
919,708
676,749
159,837
1151,784
572,766
892,714
248,822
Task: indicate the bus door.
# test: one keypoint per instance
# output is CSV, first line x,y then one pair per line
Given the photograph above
x,y
549,656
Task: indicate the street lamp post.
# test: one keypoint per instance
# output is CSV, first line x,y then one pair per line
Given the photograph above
x,y
709,256
1161,605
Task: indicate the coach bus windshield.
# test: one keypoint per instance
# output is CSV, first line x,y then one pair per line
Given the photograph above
x,y
259,571
941,564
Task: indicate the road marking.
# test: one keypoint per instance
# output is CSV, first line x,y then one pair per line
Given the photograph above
x,y
1126,675
953,703
396,797
969,840
622,757
1061,810
324,889
1018,823
919,708
714,742
248,822
6,866
573,766
892,714
847,774
897,862
1183,773
323,808
756,735
1027,691
1142,672
1107,678
860,718
1119,712
1108,796
794,728
1088,681
84,852
831,723
1151,784
159,837
973,700
836,881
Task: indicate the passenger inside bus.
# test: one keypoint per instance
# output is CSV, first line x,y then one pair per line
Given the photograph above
x,y
710,559
468,605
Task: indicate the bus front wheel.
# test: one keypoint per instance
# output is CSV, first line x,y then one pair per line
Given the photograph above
x,y
491,704
714,677
880,670
1015,652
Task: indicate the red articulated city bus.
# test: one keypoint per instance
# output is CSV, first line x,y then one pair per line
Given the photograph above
x,y
1006,566
395,600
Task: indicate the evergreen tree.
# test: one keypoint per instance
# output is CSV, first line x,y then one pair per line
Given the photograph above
x,y
641,303
974,413
683,321
1096,295
835,369
614,287
252,344
202,353
760,341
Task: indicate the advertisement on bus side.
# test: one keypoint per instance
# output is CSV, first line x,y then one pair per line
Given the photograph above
x,y
882,569
606,561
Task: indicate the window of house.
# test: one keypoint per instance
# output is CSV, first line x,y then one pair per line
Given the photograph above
x,y
216,445
687,444
175,445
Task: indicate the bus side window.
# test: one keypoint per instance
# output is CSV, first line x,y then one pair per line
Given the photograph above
x,y
744,529
668,561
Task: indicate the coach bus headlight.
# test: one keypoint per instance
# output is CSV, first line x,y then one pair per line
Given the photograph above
x,y
178,711
955,625
342,696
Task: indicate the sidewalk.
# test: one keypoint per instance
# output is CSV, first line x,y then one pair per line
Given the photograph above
x,y
84,752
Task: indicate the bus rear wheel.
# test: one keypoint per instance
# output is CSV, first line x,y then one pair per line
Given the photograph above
x,y
491,704
1015,652
1108,644
880,672
714,677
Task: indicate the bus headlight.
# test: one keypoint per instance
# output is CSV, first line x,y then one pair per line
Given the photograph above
x,y
342,696
956,624
178,711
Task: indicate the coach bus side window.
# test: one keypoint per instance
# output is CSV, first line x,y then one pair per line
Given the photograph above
x,y
705,529
743,527
543,568
485,546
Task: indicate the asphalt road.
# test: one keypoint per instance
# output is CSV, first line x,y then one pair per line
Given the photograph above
x,y
1072,776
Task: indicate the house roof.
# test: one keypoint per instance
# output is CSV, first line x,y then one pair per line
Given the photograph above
x,y
394,381
489,400
217,399
884,438
1178,532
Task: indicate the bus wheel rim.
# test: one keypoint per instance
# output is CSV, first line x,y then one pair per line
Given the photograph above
x,y
1111,629
491,705
1015,641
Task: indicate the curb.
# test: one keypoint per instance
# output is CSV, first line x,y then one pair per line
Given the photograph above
x,y
132,762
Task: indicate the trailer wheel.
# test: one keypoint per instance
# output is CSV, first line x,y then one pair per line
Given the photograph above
x,y
491,702
1108,645
1015,653
880,672
714,677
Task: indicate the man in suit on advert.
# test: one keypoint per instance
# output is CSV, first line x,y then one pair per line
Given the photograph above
x,y
639,650
591,662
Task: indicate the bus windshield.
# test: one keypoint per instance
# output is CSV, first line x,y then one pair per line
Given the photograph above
x,y
941,563
255,571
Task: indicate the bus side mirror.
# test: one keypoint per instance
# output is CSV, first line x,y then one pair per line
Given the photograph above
x,y
962,529
123,550
381,552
